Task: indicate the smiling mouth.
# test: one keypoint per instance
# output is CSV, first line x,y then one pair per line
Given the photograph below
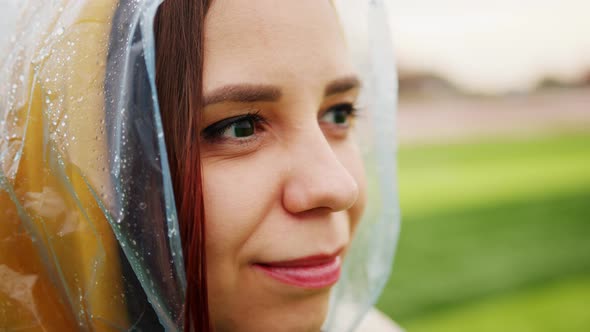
x,y
312,272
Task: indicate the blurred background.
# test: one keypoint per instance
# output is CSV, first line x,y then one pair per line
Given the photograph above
x,y
494,166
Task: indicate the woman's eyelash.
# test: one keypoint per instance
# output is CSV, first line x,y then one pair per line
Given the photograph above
x,y
351,109
216,130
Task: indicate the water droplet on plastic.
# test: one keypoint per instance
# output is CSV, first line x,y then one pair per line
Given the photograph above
x,y
142,205
60,31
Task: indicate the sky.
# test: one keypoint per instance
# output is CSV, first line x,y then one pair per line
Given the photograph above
x,y
493,46
479,45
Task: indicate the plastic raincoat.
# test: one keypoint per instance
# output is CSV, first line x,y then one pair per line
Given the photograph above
x,y
84,242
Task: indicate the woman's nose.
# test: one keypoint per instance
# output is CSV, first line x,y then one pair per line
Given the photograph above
x,y
317,178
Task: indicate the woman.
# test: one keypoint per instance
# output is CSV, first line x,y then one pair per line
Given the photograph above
x,y
257,105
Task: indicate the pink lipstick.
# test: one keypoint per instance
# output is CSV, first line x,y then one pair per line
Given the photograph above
x,y
310,272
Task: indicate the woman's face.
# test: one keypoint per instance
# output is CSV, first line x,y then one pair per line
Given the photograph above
x,y
283,178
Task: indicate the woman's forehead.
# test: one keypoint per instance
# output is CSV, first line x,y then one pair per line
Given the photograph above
x,y
269,41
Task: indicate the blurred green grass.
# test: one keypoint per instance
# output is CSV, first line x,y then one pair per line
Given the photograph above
x,y
557,306
488,229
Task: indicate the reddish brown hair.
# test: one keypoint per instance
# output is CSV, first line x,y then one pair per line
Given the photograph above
x,y
179,35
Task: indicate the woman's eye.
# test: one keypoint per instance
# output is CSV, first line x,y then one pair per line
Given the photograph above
x,y
240,129
236,128
339,115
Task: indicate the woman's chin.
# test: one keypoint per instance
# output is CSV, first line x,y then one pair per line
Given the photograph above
x,y
300,314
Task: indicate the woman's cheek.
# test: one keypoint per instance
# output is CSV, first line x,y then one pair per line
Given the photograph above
x,y
351,158
237,195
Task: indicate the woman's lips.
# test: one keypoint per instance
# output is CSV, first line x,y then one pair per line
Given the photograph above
x,y
310,272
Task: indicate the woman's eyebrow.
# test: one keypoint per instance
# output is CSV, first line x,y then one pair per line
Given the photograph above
x,y
342,85
251,93
243,93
